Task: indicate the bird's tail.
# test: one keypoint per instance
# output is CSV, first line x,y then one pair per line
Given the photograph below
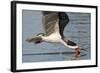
x,y
35,40
29,40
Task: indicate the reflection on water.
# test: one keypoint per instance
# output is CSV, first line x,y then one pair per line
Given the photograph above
x,y
53,56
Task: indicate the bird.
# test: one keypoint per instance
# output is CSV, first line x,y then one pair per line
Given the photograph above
x,y
54,24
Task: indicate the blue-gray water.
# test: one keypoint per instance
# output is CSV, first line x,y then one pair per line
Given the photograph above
x,y
77,30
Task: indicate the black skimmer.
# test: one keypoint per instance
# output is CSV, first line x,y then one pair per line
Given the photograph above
x,y
54,24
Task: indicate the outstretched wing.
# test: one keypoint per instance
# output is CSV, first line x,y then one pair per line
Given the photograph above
x,y
50,22
63,21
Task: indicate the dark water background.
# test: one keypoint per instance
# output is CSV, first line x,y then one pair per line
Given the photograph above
x,y
77,30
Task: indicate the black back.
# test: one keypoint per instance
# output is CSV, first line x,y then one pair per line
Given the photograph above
x,y
71,43
63,21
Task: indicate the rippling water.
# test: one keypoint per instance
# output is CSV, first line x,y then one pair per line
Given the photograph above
x,y
77,30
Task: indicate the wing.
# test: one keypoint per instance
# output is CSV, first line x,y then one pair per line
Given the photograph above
x,y
63,21
50,22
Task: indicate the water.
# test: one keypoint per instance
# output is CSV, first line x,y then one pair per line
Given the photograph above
x,y
77,30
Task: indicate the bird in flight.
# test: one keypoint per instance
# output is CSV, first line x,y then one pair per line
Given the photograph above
x,y
54,24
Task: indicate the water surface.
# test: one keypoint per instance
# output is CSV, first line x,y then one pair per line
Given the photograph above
x,y
77,30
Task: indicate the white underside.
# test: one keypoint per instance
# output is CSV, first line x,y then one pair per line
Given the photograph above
x,y
56,38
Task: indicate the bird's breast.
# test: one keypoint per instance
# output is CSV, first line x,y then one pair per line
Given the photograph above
x,y
52,38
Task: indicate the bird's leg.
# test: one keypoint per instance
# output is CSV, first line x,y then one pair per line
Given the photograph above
x,y
77,51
